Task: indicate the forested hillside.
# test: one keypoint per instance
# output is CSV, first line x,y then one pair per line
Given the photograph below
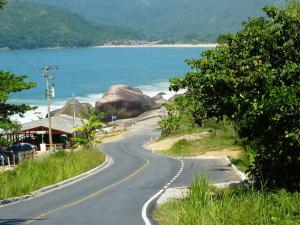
x,y
33,25
170,19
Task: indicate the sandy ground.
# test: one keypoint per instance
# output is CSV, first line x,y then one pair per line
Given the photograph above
x,y
234,153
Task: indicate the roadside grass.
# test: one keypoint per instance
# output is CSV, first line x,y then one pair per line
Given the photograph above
x,y
221,139
206,205
59,166
184,131
243,162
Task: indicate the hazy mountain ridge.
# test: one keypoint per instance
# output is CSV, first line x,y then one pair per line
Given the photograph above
x,y
169,19
32,25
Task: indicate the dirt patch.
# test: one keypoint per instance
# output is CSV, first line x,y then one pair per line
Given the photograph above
x,y
111,137
234,153
166,144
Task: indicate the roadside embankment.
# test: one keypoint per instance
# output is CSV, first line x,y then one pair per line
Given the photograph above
x,y
219,143
208,205
232,203
59,166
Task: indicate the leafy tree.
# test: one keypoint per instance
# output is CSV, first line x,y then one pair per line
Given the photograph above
x,y
10,83
253,78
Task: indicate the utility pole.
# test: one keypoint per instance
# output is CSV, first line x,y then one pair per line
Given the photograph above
x,y
47,70
74,114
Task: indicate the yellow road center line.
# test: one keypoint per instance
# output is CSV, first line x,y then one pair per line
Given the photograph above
x,y
88,196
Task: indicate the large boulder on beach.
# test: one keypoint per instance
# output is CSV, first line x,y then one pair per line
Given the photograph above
x,y
125,102
159,99
81,109
159,96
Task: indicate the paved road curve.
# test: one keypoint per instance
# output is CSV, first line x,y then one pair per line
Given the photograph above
x,y
116,195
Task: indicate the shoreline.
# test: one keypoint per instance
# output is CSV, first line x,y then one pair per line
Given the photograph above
x,y
89,98
212,45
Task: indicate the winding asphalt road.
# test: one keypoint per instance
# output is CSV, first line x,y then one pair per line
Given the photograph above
x,y
115,195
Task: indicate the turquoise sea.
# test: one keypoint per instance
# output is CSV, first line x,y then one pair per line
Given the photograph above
x,y
89,72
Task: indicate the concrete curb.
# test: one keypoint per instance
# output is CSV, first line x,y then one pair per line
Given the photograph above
x,y
240,173
107,163
164,197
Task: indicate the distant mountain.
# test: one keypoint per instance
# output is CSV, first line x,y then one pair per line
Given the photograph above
x,y
32,25
170,19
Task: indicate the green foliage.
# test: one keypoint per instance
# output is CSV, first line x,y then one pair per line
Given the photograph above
x,y
186,20
244,161
88,129
191,111
221,137
170,123
2,3
205,205
33,175
31,25
253,79
10,83
185,113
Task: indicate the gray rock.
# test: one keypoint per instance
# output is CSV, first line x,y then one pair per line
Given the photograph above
x,y
81,109
125,102
159,96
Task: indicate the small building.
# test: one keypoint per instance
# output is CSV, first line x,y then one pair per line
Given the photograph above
x,y
37,132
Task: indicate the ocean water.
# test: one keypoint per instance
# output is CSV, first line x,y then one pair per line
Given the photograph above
x,y
89,72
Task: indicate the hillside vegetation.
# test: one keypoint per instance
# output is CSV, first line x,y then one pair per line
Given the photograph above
x,y
32,25
170,19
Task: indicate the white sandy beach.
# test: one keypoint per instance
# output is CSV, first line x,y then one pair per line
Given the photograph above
x,y
159,46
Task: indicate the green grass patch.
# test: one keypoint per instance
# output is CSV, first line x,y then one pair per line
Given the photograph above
x,y
243,162
187,130
33,175
206,205
219,140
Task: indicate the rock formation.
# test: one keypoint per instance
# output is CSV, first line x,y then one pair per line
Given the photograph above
x,y
159,96
81,109
125,102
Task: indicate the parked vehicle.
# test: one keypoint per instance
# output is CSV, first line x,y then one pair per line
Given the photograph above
x,y
14,151
3,158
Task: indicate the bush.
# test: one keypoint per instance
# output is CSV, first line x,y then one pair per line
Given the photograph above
x,y
170,123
